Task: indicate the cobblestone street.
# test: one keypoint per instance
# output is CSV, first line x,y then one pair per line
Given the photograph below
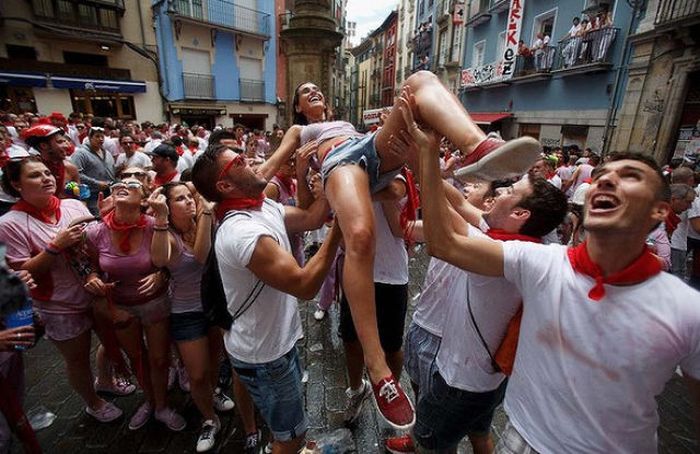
x,y
75,432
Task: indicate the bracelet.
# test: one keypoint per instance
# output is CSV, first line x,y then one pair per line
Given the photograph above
x,y
158,228
52,249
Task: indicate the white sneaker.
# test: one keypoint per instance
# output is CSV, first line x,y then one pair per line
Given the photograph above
x,y
319,314
356,399
207,437
222,402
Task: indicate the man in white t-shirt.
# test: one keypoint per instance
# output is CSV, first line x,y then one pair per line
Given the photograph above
x,y
602,329
261,279
130,156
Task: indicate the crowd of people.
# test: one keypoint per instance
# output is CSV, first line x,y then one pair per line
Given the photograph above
x,y
185,250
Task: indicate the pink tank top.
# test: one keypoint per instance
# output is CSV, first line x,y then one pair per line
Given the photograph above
x,y
185,281
127,270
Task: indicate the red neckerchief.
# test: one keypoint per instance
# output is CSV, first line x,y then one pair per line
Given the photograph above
x,y
641,269
672,220
126,229
159,181
238,203
498,234
58,170
288,182
505,353
180,150
193,149
53,208
409,212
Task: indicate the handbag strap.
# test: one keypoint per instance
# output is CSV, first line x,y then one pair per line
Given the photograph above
x,y
494,364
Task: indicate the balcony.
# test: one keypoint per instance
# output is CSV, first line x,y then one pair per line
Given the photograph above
x,y
589,53
284,19
252,90
101,17
223,13
534,67
499,6
65,69
198,86
674,11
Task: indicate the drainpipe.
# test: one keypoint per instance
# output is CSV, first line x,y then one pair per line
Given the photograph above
x,y
612,111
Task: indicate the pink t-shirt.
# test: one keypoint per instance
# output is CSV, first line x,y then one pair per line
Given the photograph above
x,y
26,236
126,270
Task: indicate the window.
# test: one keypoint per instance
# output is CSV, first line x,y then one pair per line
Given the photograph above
x,y
443,48
457,44
478,54
20,52
544,23
103,104
79,58
102,15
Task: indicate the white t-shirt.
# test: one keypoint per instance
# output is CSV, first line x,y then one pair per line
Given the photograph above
x,y
693,212
138,159
586,372
462,359
186,161
270,327
390,258
679,237
555,181
151,145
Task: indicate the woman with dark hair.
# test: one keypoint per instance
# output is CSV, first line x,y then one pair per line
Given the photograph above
x,y
353,166
120,247
183,250
39,232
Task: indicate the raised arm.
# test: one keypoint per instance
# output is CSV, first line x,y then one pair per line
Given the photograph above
x,y
290,142
278,268
444,242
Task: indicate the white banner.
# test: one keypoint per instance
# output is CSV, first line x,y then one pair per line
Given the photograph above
x,y
513,28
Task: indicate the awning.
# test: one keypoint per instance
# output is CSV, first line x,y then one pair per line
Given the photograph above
x,y
486,118
23,79
117,86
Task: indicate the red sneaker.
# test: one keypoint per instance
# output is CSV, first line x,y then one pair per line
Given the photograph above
x,y
393,404
495,159
400,445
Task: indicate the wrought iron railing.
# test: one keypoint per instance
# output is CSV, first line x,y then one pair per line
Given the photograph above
x,y
252,90
198,86
593,47
540,61
674,10
225,13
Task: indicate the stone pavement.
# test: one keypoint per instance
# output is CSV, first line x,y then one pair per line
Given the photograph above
x,y
321,350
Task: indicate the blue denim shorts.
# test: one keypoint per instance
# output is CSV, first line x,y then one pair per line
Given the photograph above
x,y
445,415
360,151
188,326
278,393
420,349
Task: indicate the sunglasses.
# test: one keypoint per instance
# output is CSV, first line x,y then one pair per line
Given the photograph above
x,y
133,174
238,161
126,185
97,128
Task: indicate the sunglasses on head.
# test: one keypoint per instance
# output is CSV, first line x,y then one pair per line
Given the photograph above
x,y
126,185
133,174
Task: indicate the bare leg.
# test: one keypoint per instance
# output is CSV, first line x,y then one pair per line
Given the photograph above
x,y
437,108
76,355
104,369
395,362
482,444
347,190
195,356
158,338
354,362
131,340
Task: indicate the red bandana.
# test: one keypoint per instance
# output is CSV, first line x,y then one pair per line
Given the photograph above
x,y
240,203
111,222
644,267
53,208
159,181
498,234
410,209
672,221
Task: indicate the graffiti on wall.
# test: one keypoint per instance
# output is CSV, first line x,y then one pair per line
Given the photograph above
x,y
491,72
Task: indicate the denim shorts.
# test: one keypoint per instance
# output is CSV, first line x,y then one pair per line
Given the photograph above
x,y
278,393
445,415
420,349
188,326
360,151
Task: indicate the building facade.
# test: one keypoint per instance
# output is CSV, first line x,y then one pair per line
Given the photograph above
x,y
389,28
404,43
218,61
94,57
660,112
559,90
449,42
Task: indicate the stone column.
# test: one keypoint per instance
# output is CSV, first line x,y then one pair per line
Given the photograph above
x,y
309,41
